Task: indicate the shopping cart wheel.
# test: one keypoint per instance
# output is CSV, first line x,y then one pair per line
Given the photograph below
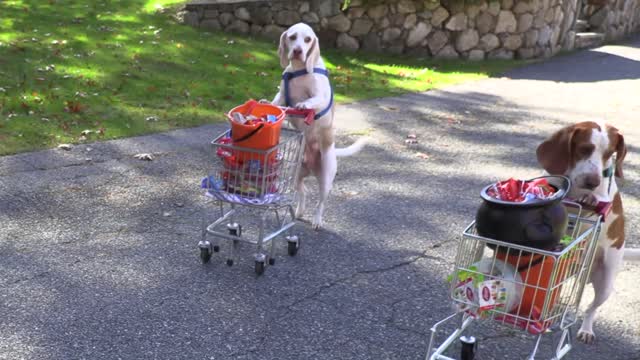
x,y
292,247
259,267
216,248
205,255
272,261
230,262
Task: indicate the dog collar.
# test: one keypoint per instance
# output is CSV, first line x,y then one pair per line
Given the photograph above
x,y
608,174
290,75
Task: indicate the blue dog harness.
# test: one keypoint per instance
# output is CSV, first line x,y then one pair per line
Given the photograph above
x,y
291,75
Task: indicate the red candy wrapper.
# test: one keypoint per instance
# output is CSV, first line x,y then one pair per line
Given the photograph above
x,y
521,191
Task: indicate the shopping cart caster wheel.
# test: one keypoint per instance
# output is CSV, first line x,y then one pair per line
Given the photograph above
x,y
272,261
216,248
259,267
292,248
205,255
234,229
230,262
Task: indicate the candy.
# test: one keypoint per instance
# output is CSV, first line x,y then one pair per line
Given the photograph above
x,y
513,190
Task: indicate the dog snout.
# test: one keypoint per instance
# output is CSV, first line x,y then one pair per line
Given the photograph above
x,y
297,52
591,181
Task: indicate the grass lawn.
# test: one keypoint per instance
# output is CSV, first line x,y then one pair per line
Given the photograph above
x,y
74,71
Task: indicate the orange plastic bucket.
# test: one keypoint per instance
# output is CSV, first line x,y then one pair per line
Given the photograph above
x,y
262,136
536,274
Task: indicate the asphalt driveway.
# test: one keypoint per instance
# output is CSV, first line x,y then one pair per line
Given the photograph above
x,y
98,256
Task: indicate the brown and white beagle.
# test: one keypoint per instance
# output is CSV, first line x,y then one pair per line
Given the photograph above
x,y
584,153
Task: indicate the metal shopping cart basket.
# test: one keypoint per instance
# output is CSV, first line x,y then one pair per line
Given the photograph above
x,y
259,181
519,287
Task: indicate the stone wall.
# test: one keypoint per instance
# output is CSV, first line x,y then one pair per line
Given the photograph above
x,y
614,18
471,29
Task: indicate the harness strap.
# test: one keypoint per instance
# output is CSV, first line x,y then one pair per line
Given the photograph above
x,y
291,75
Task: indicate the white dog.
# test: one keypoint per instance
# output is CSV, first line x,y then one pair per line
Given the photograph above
x,y
305,85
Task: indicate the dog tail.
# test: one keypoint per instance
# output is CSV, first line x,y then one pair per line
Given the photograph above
x,y
632,254
353,148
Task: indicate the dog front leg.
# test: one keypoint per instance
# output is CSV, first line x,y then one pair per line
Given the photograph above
x,y
279,98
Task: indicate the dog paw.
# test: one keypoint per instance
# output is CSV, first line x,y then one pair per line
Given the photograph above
x,y
586,337
302,106
588,200
316,224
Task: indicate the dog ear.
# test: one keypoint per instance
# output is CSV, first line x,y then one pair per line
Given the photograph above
x,y
282,50
554,154
621,150
313,55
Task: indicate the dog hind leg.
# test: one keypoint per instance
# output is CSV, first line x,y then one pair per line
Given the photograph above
x,y
301,193
602,277
325,181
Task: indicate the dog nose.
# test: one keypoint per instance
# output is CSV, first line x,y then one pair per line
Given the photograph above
x,y
591,181
297,51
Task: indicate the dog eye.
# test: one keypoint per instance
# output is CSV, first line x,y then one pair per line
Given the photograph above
x,y
307,39
586,150
292,37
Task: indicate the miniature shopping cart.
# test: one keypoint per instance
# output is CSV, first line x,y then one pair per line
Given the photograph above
x,y
519,287
258,181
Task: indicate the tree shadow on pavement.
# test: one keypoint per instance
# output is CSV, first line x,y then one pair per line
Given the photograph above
x,y
612,62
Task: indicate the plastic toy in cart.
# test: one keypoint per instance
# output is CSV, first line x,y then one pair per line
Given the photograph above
x,y
241,180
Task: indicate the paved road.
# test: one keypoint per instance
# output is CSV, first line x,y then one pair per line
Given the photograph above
x,y
91,266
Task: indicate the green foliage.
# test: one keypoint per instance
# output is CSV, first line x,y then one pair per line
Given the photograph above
x,y
74,71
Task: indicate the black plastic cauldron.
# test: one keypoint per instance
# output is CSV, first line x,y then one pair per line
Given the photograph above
x,y
539,223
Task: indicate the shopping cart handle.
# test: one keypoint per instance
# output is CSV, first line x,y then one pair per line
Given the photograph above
x,y
309,114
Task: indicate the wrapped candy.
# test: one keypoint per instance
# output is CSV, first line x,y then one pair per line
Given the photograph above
x,y
513,190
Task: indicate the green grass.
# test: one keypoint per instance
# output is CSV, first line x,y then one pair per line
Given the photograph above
x,y
74,71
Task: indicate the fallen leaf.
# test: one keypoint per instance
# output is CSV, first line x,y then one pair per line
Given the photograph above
x,y
73,107
422,156
65,147
86,132
144,156
388,108
151,118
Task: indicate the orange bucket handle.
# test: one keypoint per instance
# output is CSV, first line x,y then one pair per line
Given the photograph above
x,y
249,135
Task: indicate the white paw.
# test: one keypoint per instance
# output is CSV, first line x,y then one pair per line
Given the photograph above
x,y
264,101
302,106
316,224
589,200
587,337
